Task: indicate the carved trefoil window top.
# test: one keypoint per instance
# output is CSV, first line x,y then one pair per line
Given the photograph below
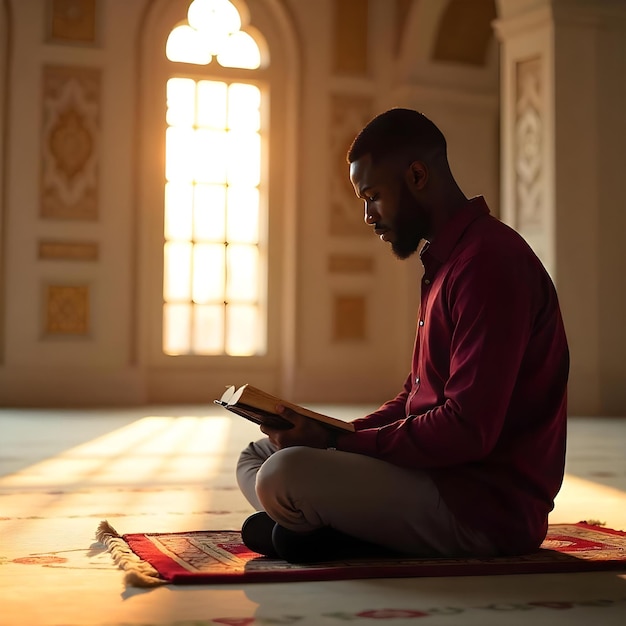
x,y
70,142
529,192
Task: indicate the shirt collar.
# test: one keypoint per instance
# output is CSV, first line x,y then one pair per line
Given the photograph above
x,y
438,251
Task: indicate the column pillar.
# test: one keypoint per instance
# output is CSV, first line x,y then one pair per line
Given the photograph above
x,y
563,143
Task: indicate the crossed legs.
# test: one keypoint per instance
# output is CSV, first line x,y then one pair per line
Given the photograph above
x,y
304,489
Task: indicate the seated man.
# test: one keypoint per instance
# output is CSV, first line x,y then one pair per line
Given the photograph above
x,y
466,460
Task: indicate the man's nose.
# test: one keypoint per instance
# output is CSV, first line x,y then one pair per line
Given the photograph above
x,y
371,216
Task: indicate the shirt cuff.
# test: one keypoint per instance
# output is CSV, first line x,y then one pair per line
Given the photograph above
x,y
360,442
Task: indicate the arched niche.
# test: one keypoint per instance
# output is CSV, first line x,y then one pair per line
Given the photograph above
x,y
269,18
448,38
465,34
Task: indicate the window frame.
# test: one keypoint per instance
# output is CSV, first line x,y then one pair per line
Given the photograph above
x,y
187,376
263,244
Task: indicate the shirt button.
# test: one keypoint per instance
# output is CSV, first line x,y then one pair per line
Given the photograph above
x,y
421,323
417,380
426,281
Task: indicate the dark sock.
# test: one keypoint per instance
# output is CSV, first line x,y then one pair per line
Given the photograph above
x,y
323,544
256,534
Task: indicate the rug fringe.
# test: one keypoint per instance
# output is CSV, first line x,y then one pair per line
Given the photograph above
x,y
139,573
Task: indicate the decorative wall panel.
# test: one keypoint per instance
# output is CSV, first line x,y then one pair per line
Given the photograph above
x,y
68,250
349,319
528,140
67,310
349,114
70,142
72,21
350,264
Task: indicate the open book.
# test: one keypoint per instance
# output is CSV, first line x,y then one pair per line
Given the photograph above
x,y
260,407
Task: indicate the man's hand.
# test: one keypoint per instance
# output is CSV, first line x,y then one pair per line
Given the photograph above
x,y
305,431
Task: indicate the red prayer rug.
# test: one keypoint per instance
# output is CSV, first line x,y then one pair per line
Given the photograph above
x,y
210,557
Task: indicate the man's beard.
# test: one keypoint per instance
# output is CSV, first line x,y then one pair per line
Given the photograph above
x,y
410,227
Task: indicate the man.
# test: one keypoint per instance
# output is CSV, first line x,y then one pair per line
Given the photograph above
x,y
468,457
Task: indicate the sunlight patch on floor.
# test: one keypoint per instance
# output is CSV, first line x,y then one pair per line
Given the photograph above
x,y
152,451
600,502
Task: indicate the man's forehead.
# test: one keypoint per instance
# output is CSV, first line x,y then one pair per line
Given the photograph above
x,y
361,169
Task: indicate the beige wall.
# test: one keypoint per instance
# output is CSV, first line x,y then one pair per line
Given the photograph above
x,y
84,329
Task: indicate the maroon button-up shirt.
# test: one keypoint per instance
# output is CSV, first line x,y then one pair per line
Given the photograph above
x,y
484,407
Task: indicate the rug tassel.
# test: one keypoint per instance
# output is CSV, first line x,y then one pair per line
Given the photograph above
x,y
139,573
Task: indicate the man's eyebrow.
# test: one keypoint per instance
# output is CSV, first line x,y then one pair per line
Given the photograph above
x,y
361,192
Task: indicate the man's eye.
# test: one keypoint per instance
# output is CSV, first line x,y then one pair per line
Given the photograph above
x,y
372,198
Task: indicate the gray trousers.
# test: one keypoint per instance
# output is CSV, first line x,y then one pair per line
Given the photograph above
x,y
303,489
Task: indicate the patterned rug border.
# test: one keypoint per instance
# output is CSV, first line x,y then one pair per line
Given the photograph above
x,y
153,559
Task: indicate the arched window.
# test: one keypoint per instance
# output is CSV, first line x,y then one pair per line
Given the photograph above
x,y
215,279
215,257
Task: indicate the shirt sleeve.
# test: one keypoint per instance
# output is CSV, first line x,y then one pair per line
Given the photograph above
x,y
490,309
389,412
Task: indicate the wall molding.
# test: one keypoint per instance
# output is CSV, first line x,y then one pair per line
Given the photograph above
x,y
5,65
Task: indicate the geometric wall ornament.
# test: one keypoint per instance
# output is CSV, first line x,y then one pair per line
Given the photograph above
x,y
349,113
350,37
528,140
350,264
66,310
349,317
70,141
72,21
68,250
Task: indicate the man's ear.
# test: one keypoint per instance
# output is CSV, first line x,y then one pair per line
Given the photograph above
x,y
417,175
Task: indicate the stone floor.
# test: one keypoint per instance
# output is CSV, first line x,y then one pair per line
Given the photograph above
x,y
170,469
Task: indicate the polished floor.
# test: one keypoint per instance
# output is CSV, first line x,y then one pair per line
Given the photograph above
x,y
169,469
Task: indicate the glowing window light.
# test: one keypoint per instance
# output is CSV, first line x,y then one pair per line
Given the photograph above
x,y
244,104
176,328
242,281
209,273
176,283
243,215
180,102
178,211
215,19
208,334
214,269
213,104
242,158
213,29
185,45
209,213
179,154
240,50
241,329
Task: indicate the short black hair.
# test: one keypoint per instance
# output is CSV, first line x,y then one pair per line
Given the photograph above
x,y
402,132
